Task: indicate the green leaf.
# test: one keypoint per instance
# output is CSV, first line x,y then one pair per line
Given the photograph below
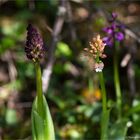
x,y
11,117
63,49
135,108
100,21
42,127
37,126
118,130
6,43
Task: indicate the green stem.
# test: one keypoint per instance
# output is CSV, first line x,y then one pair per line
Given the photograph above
x,y
117,82
104,108
39,89
90,85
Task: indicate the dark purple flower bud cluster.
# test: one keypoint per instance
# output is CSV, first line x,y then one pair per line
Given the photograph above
x,y
114,32
34,45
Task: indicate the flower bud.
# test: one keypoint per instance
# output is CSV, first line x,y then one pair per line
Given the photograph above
x,y
96,51
34,44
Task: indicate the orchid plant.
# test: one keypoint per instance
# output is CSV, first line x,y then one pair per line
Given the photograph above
x,y
96,51
115,34
42,124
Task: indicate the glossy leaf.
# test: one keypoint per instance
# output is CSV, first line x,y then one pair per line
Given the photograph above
x,y
42,127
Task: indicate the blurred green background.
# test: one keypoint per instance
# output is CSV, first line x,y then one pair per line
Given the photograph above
x,y
74,95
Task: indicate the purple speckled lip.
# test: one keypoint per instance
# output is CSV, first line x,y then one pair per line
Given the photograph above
x,y
108,40
119,36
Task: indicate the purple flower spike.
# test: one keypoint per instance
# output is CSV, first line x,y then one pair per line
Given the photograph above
x,y
34,45
119,36
115,31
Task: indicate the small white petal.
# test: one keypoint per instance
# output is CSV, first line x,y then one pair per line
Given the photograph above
x,y
129,124
98,70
